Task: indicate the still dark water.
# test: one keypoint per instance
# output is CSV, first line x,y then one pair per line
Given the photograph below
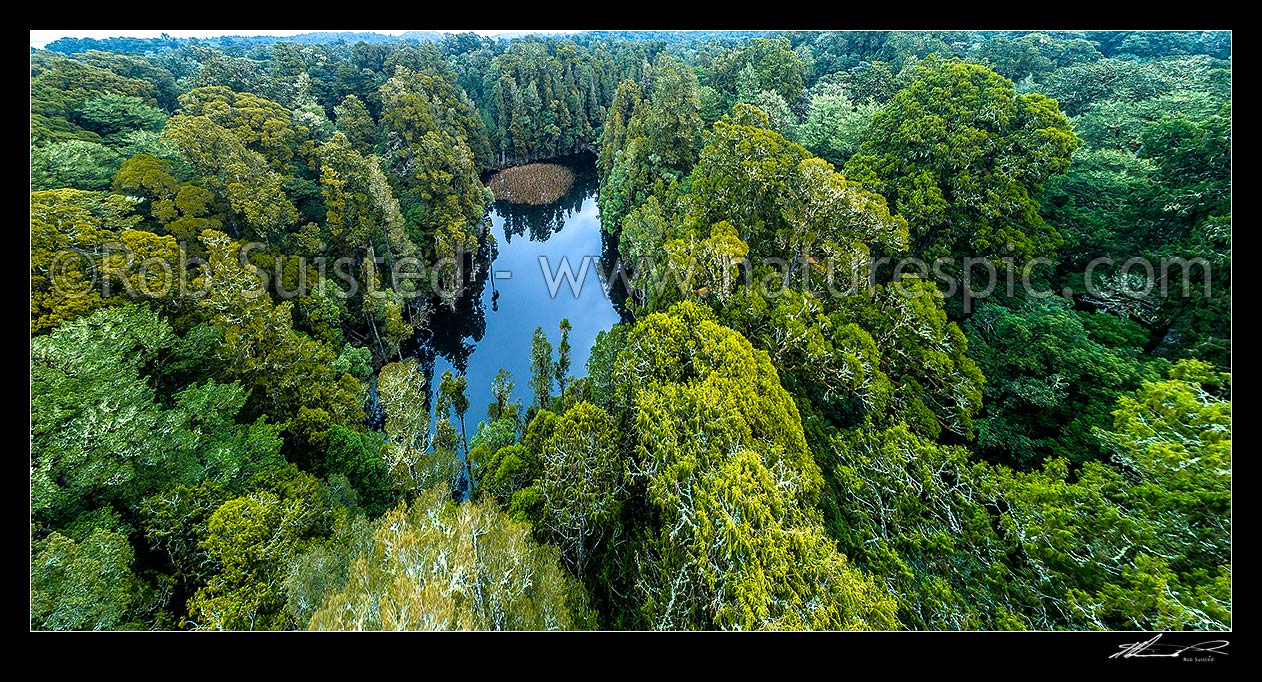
x,y
491,328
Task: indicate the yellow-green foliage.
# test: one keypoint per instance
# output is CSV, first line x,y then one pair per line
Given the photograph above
x,y
436,565
720,450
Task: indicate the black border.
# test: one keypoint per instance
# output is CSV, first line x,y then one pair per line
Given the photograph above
x,y
840,654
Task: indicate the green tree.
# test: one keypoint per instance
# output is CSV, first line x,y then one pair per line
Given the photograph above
x,y
876,81
743,171
401,391
85,255
1151,183
252,539
213,68
324,566
1175,437
502,390
85,585
362,216
496,434
111,116
86,451
1016,59
509,474
283,369
561,369
83,448
74,164
719,449
779,117
925,354
1052,377
1080,86
174,521
772,65
916,514
362,211
262,125
428,130
581,482
835,124
240,175
452,396
183,209
600,363
541,373
435,565
356,123
139,68
1194,176
963,157
358,457
856,354
625,105
658,145
59,86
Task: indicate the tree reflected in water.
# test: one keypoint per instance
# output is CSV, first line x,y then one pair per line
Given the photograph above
x,y
539,223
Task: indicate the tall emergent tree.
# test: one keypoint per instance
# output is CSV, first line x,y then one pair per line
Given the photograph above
x,y
562,366
541,368
962,157
720,457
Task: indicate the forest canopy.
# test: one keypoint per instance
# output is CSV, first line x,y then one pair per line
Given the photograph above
x,y
918,330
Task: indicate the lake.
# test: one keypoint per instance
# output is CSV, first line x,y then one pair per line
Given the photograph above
x,y
526,287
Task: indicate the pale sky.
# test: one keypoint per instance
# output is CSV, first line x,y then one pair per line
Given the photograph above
x,y
40,38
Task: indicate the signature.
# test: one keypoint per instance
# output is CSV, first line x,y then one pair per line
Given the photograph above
x,y
1151,649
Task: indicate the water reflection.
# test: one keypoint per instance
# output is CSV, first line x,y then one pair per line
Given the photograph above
x,y
492,325
454,333
539,223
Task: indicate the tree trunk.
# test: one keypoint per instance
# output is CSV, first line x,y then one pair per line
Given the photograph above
x,y
380,347
789,274
579,567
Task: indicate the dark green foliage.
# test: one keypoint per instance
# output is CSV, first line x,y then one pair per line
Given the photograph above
x,y
770,441
770,65
719,455
835,124
357,456
356,123
917,514
541,368
540,101
60,86
1052,376
81,586
1154,182
86,452
962,156
174,524
431,136
73,163
252,539
604,351
1078,87
111,115
650,140
561,369
1034,54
